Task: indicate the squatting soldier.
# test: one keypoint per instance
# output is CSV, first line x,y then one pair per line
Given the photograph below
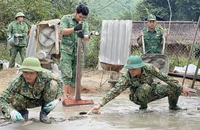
x,y
143,89
19,30
72,27
33,87
153,37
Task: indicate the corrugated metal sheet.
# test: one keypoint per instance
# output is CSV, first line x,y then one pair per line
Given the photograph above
x,y
115,41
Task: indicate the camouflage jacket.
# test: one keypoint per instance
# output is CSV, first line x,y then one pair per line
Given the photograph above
x,y
128,81
20,86
152,41
69,42
20,28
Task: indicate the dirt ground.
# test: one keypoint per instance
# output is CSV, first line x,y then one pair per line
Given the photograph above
x,y
95,81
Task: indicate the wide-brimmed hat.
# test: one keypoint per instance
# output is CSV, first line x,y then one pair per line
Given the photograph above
x,y
31,64
134,62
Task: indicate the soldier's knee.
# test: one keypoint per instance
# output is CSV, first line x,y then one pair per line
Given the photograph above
x,y
53,86
144,89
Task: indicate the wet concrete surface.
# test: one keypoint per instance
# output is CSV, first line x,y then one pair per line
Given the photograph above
x,y
119,114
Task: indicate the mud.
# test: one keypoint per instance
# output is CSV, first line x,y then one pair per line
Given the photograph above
x,y
118,114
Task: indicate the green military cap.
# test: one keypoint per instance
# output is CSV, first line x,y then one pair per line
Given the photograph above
x,y
31,64
151,17
134,62
19,14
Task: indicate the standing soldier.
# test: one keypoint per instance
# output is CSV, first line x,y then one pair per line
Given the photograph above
x,y
17,30
72,27
153,37
140,79
33,87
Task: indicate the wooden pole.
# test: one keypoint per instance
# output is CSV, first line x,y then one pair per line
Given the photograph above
x,y
190,54
78,72
196,72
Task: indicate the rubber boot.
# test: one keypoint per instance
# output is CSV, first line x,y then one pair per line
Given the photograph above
x,y
43,114
143,107
44,118
24,112
173,104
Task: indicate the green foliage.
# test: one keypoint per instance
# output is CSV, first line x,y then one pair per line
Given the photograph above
x,y
4,53
113,9
180,61
91,59
181,9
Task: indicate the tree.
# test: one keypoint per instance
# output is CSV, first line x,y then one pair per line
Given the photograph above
x,y
186,10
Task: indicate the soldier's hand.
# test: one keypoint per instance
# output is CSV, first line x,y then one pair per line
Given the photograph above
x,y
165,35
18,35
96,108
141,34
50,106
186,91
16,116
78,27
80,34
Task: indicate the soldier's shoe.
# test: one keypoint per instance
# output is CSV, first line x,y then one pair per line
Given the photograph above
x,y
44,118
176,108
24,112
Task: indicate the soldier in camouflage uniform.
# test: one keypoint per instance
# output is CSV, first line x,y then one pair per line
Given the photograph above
x,y
33,87
153,37
143,89
72,27
18,29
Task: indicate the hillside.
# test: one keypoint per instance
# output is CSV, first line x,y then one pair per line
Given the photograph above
x,y
112,9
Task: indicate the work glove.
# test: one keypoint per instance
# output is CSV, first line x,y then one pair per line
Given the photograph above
x,y
18,35
16,116
80,34
50,106
78,27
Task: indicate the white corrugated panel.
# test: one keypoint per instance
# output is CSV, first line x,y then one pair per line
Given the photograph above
x,y
115,41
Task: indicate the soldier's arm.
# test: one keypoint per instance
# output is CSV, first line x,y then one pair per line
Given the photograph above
x,y
9,31
86,31
64,30
114,92
164,77
25,30
60,86
6,98
139,39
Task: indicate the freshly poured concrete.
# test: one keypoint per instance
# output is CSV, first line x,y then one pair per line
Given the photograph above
x,y
119,114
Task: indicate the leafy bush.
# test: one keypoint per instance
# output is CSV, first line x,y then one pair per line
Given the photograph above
x,y
4,52
93,47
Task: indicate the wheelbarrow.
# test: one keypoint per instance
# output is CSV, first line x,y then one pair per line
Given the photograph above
x,y
161,61
114,72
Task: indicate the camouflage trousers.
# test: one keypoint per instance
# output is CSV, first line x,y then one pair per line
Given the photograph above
x,y
68,68
21,102
13,53
146,93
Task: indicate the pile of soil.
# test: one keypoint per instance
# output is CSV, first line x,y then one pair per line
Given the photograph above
x,y
90,82
6,76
